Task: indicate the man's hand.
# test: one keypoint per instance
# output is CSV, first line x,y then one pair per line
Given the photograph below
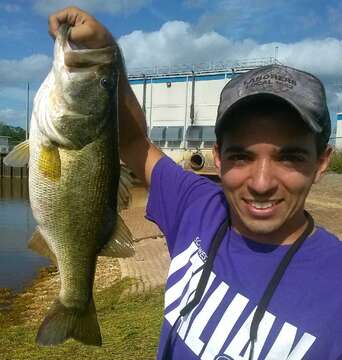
x,y
85,29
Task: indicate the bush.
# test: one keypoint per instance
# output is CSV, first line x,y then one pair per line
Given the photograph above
x,y
336,162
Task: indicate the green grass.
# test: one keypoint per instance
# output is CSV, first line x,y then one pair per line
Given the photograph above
x,y
336,162
130,328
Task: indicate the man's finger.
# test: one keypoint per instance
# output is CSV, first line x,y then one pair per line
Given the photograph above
x,y
71,15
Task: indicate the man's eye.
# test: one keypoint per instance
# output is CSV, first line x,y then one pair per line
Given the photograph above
x,y
238,157
291,158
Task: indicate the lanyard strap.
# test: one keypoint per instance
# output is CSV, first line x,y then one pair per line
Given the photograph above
x,y
207,268
273,284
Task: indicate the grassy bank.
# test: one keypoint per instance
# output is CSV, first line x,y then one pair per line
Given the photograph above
x,y
130,330
336,162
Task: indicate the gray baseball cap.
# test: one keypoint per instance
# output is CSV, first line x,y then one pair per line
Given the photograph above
x,y
300,89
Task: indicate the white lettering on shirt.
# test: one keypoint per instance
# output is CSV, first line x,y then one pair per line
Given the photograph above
x,y
225,325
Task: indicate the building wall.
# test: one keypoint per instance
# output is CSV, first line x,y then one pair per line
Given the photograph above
x,y
339,132
168,99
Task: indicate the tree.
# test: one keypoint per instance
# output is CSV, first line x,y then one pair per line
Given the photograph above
x,y
16,133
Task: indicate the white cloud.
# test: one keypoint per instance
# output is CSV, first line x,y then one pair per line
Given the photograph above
x,y
32,68
177,42
44,7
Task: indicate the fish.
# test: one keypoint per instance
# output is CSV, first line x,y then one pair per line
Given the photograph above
x,y
77,185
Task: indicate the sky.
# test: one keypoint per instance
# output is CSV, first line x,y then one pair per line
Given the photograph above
x,y
307,35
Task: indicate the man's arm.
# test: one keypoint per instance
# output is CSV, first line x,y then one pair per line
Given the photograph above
x,y
136,150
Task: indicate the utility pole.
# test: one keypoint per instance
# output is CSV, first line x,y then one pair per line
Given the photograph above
x,y
27,110
276,54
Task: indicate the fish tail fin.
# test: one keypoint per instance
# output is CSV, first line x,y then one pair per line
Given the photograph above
x,y
62,323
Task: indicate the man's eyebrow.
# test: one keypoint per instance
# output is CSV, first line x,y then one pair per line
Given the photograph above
x,y
294,150
235,149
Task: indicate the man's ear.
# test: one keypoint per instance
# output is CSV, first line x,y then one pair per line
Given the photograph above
x,y
323,163
217,159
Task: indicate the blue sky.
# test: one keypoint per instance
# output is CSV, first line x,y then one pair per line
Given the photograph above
x,y
307,33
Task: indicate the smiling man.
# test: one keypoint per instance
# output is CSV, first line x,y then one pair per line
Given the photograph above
x,y
252,276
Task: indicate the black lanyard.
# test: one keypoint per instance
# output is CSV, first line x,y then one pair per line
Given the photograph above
x,y
274,282
266,297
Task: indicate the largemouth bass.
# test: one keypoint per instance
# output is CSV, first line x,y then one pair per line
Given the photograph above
x,y
74,171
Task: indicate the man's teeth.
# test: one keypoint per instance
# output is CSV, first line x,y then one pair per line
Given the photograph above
x,y
262,205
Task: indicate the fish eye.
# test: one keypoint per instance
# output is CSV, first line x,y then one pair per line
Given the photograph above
x,y
106,83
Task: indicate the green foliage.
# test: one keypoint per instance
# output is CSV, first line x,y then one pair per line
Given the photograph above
x,y
130,326
16,133
336,162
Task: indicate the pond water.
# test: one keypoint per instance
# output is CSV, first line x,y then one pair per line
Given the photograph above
x,y
18,264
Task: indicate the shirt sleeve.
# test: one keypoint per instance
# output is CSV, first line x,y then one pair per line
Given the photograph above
x,y
172,191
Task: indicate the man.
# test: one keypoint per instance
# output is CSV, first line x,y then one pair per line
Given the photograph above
x,y
251,276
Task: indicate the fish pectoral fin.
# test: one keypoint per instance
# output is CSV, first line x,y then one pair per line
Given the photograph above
x,y
19,156
125,183
62,323
38,244
120,243
49,163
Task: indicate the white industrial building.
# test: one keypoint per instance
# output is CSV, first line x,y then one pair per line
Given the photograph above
x,y
181,103
338,142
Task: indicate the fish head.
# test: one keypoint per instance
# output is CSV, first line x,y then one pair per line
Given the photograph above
x,y
83,96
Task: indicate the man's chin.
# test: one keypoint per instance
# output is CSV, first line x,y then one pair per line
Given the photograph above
x,y
254,229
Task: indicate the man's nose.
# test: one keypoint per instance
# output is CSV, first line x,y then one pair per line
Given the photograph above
x,y
262,179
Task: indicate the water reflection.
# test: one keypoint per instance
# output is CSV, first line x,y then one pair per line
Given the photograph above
x,y
18,264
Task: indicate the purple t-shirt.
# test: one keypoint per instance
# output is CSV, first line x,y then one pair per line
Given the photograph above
x,y
304,317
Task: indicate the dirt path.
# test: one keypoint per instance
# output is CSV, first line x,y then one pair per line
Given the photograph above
x,y
325,203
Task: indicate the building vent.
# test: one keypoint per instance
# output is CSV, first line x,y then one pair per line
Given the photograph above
x,y
174,133
208,134
194,133
158,133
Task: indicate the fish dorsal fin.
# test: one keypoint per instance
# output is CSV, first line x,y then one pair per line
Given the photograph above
x,y
121,242
38,244
125,183
19,156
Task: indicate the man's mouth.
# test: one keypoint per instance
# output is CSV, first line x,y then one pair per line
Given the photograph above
x,y
264,208
262,204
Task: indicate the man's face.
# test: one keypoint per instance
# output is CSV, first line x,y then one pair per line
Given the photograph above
x,y
267,166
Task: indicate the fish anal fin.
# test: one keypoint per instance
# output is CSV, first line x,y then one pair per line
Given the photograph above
x,y
19,156
62,323
38,244
120,243
49,163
